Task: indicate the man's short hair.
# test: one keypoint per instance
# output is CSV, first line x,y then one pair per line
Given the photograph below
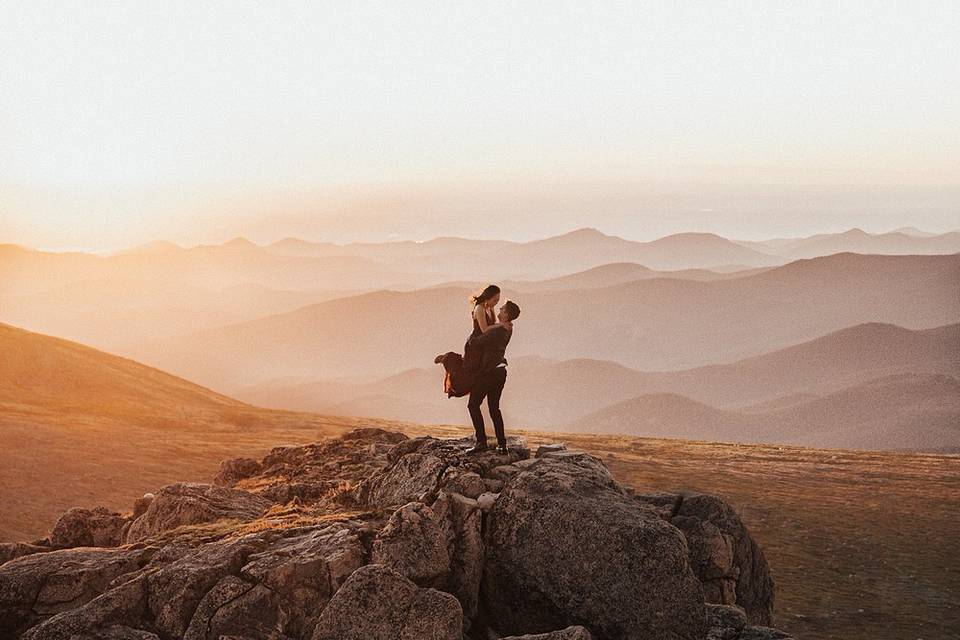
x,y
513,311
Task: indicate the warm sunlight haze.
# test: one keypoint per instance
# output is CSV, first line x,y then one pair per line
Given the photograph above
x,y
479,321
197,122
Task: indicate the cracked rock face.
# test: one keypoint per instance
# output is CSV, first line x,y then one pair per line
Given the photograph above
x,y
377,602
415,543
377,536
36,587
188,503
726,559
567,546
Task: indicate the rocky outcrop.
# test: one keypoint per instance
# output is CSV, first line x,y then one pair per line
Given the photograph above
x,y
98,527
377,603
375,535
630,579
188,503
421,466
726,559
38,586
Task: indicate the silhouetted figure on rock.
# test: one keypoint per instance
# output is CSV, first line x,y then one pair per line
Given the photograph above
x,y
481,372
491,376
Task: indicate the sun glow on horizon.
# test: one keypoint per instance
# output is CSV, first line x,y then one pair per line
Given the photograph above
x,y
124,122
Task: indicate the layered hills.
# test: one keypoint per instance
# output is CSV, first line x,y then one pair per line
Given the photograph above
x,y
658,324
549,394
907,411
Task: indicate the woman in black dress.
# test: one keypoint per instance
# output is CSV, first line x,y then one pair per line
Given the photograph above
x,y
460,370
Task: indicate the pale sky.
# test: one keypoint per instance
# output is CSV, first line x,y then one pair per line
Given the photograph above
x,y
197,121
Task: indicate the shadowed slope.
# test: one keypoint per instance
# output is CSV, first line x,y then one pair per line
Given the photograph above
x,y
80,426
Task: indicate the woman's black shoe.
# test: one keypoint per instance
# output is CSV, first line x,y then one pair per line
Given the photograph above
x,y
477,448
502,449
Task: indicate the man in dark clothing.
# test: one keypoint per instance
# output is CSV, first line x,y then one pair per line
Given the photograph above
x,y
492,376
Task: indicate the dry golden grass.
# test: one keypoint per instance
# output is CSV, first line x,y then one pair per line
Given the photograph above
x,y
51,462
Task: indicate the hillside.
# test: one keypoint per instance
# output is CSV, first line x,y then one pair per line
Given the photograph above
x,y
80,425
39,372
116,311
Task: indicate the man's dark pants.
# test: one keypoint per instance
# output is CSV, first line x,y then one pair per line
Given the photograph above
x,y
490,386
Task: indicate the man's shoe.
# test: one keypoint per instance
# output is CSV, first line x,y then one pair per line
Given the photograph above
x,y
502,449
477,448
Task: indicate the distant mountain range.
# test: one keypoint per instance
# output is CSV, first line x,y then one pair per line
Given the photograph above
x,y
904,241
161,289
739,327
906,411
549,394
871,386
655,324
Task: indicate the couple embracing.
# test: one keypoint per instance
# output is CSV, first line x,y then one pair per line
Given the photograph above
x,y
481,371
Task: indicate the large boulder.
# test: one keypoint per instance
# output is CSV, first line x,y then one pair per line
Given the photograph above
x,y
463,518
115,613
566,545
438,546
416,543
303,571
724,555
161,598
377,603
38,586
175,591
257,586
98,527
188,503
